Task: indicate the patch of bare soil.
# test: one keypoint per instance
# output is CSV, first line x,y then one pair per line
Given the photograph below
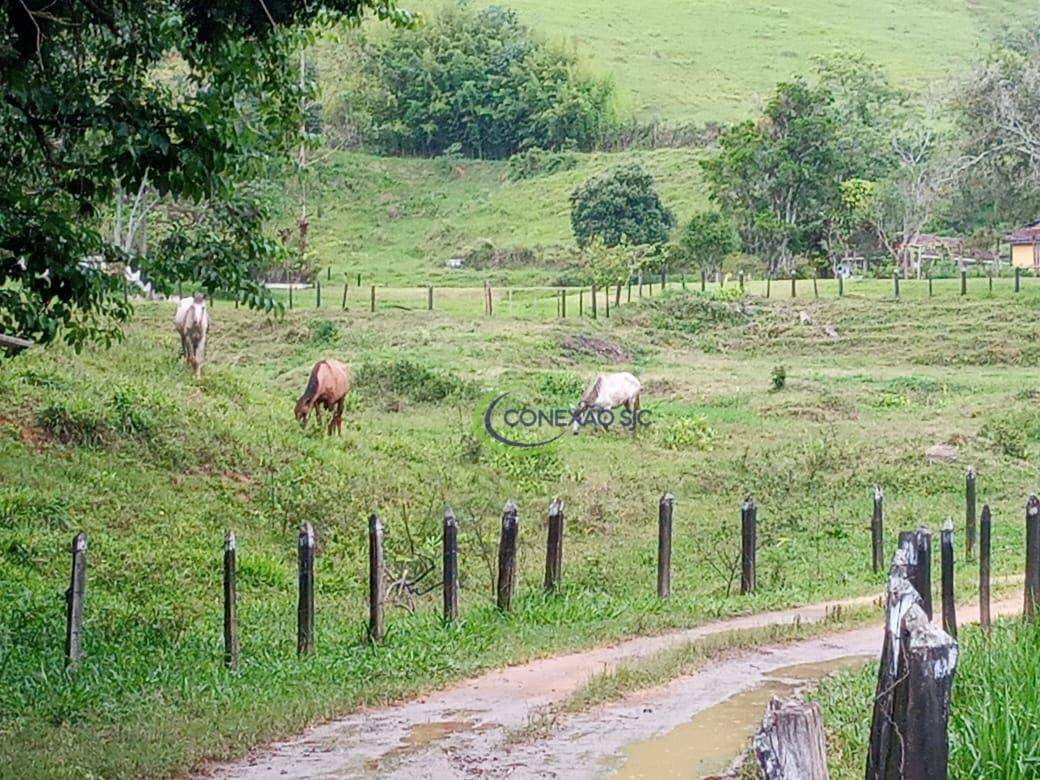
x,y
579,345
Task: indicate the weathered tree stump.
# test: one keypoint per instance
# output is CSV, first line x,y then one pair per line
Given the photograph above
x,y
790,745
919,563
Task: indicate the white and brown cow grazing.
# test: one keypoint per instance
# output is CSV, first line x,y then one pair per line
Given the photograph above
x,y
192,322
607,392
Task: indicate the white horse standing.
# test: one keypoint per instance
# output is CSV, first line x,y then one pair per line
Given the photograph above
x,y
192,322
607,392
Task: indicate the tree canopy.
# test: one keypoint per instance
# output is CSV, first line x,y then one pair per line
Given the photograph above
x,y
620,206
707,238
479,83
187,99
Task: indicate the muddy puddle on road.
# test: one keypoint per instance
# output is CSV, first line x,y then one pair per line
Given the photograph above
x,y
709,742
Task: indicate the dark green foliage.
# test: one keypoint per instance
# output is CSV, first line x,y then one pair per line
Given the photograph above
x,y
479,84
412,380
779,377
323,331
619,206
88,113
538,162
694,312
707,238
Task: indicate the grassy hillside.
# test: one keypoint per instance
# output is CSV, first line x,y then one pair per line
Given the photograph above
x,y
124,445
710,59
397,220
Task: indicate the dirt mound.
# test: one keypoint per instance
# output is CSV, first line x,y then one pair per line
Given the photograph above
x,y
577,346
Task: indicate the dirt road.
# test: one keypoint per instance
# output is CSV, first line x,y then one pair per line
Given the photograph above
x,y
695,723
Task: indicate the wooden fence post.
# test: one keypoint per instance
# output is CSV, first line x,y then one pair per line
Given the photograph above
x,y
359,280
664,278
594,296
617,296
949,607
748,543
877,530
375,579
895,282
984,532
664,546
554,547
317,299
640,284
964,282
328,277
704,280
740,276
290,295
682,280
74,602
344,304
372,299
563,302
1018,279
841,285
1032,589
507,556
305,606
969,515
429,297
815,289
451,567
794,292
581,302
628,297
919,564
769,284
230,597
930,290
790,745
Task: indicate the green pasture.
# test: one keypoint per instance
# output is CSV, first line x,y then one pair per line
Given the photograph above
x,y
154,466
710,60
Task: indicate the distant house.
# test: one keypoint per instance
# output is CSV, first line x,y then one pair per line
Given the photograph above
x,y
931,248
1025,247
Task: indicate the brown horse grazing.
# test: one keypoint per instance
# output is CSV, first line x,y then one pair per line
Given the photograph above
x,y
327,386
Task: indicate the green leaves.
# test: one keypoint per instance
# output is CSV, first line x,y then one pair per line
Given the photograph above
x,y
620,206
189,102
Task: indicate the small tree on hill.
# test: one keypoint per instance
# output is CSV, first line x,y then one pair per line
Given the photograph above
x,y
620,205
707,239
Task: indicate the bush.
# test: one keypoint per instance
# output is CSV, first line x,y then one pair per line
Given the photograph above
x,y
695,312
707,239
414,381
1007,435
559,386
322,331
74,420
539,162
685,433
618,206
480,81
779,377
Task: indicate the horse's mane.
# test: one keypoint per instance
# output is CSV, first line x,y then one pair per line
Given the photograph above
x,y
312,383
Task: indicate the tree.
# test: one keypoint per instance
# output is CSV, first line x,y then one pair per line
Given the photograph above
x,y
619,206
997,111
777,177
185,102
707,238
478,81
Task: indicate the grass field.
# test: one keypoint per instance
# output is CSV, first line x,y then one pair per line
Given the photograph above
x,y
711,60
398,220
993,733
124,445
